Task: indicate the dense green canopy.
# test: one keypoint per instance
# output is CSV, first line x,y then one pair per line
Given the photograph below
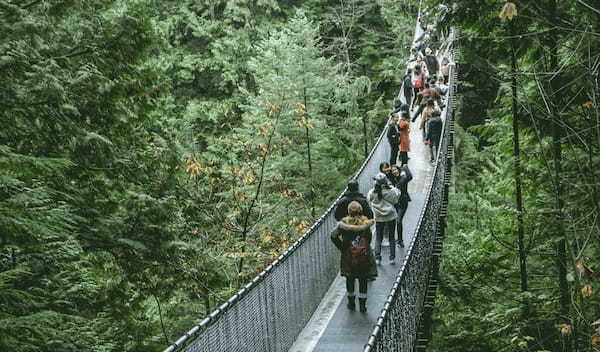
x,y
156,155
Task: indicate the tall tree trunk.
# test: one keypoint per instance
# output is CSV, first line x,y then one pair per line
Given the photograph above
x,y
310,168
561,246
517,161
162,324
364,121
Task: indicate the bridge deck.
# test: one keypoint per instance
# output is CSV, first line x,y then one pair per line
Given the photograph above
x,y
333,327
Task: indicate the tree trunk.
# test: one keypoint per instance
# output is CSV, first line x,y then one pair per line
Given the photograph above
x,y
517,161
561,246
162,324
206,298
310,168
364,121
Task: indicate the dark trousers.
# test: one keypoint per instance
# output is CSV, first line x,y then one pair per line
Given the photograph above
x,y
390,228
403,158
420,109
408,96
401,210
414,99
362,285
393,154
435,141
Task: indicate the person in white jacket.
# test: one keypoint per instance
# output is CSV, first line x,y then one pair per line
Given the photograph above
x,y
382,198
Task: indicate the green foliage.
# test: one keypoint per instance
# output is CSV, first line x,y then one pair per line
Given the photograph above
x,y
481,301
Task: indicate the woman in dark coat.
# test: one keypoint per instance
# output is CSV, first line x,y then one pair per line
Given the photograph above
x,y
432,63
393,137
408,87
353,231
401,176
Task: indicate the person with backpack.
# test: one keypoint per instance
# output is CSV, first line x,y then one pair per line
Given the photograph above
x,y
401,176
382,199
352,236
434,133
352,195
393,137
429,110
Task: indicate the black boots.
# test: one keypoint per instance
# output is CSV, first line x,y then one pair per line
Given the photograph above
x,y
350,304
361,301
363,305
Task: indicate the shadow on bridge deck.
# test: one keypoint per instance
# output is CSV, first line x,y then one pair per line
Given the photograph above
x,y
333,327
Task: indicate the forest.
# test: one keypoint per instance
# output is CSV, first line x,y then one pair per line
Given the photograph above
x,y
156,155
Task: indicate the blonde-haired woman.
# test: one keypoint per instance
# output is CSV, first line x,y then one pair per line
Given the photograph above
x,y
352,236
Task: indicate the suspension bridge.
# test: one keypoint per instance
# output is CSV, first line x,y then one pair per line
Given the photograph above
x,y
295,303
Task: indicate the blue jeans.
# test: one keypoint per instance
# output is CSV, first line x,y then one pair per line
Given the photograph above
x,y
390,228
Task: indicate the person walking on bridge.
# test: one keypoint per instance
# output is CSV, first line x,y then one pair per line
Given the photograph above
x,y
432,63
407,87
445,69
352,194
352,236
434,133
382,198
393,137
418,81
401,176
427,94
404,126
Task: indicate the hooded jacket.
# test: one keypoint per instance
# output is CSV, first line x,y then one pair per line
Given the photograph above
x,y
383,209
342,236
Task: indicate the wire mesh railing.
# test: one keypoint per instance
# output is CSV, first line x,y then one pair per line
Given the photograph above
x,y
397,326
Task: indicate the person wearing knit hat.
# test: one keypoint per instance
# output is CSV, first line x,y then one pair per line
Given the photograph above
x,y
383,198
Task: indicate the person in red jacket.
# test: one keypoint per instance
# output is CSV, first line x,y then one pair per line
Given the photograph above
x,y
404,127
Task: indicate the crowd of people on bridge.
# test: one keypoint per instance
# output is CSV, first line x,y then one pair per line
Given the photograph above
x,y
424,87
